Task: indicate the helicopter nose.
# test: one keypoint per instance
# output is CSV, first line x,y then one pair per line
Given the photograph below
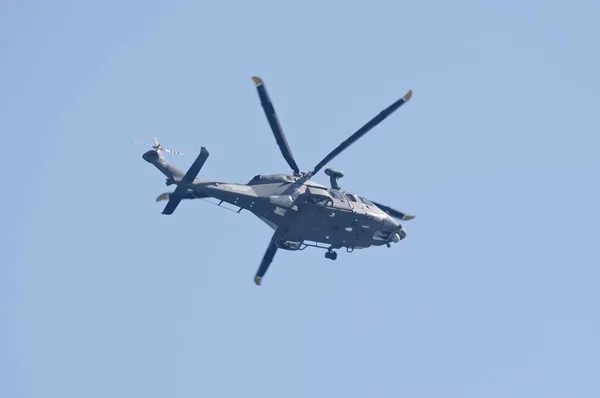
x,y
398,236
390,222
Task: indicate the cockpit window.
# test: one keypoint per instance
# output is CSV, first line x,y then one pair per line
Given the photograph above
x,y
366,201
352,197
256,177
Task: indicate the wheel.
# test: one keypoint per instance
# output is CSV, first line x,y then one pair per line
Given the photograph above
x,y
331,255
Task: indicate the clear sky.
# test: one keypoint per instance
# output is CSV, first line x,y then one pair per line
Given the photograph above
x,y
494,293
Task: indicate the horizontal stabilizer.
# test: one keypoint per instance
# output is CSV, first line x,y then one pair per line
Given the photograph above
x,y
173,202
191,174
182,188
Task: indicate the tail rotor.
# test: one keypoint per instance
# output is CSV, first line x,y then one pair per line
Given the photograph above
x,y
158,147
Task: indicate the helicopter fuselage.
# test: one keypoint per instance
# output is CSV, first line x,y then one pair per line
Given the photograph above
x,y
302,212
307,213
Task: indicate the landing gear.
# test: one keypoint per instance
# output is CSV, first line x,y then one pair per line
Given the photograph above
x,y
331,255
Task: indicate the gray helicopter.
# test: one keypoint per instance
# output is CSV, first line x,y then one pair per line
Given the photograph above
x,y
303,213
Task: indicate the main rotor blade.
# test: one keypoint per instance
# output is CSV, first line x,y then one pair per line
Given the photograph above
x,y
363,130
187,195
266,261
274,123
394,213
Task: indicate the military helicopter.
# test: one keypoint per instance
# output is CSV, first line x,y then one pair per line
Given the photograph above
x,y
302,213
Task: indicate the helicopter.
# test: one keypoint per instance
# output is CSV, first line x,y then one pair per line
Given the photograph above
x,y
302,212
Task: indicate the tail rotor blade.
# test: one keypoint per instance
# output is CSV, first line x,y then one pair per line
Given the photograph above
x,y
362,131
174,152
142,143
266,261
274,123
158,147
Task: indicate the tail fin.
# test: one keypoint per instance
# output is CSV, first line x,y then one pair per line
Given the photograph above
x,y
157,159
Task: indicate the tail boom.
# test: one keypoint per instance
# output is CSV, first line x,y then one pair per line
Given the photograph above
x,y
157,159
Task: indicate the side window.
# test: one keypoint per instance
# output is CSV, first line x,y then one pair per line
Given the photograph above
x,y
351,197
320,200
336,195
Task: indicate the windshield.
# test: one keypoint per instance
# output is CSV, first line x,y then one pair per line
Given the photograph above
x,y
366,201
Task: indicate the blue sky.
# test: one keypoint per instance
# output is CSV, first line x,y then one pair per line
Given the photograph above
x,y
494,292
